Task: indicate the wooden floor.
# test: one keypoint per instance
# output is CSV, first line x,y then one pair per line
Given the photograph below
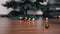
x,y
9,26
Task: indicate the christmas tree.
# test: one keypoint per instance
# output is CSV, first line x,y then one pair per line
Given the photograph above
x,y
23,7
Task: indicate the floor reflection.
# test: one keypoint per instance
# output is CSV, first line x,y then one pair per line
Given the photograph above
x,y
9,26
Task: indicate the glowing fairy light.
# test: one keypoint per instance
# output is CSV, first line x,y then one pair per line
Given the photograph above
x,y
20,17
33,19
26,18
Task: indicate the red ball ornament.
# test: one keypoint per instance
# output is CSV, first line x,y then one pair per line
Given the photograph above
x,y
46,26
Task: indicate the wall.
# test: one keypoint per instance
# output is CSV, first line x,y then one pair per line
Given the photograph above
x,y
4,10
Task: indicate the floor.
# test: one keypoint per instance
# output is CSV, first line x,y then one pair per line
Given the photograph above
x,y
9,26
